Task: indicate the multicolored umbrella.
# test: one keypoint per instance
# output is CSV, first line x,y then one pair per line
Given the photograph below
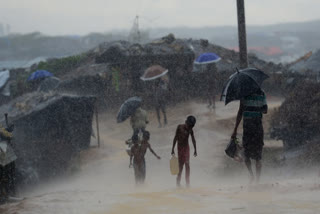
x,y
39,74
207,58
154,72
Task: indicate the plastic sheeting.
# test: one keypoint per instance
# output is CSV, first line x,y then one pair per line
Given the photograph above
x,y
4,77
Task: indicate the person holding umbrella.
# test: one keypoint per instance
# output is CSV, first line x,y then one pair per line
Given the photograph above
x,y
245,85
160,100
139,120
207,77
157,74
138,116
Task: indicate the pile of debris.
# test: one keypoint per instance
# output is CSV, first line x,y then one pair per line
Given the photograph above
x,y
49,130
177,55
297,121
112,70
310,62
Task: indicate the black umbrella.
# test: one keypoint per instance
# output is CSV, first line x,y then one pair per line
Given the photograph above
x,y
128,108
243,83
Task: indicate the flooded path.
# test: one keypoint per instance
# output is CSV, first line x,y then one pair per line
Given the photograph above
x,y
102,182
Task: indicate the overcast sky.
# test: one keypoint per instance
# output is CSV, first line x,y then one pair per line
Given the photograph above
x,y
56,17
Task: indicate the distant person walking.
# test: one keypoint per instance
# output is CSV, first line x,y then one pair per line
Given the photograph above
x,y
211,87
160,100
139,121
182,137
251,109
138,151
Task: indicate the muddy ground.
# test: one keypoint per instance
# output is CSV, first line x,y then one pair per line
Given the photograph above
x,y
100,181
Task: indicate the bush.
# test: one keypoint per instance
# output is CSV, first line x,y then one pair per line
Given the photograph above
x,y
297,121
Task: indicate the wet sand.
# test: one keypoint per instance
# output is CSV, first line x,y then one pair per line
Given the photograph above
x,y
100,181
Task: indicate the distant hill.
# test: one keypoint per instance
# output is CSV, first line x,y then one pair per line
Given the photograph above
x,y
33,45
290,40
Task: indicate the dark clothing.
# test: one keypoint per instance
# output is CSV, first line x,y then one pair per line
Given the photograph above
x,y
253,138
7,180
183,153
254,105
160,100
139,170
161,107
136,131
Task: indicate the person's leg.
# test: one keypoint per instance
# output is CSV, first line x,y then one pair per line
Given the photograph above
x,y
209,99
180,172
143,171
163,108
248,164
136,173
188,174
258,170
135,132
158,115
213,101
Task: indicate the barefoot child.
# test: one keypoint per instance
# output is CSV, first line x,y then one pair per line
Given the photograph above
x,y
138,151
182,136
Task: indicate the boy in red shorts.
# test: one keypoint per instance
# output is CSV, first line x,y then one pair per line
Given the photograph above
x,y
182,137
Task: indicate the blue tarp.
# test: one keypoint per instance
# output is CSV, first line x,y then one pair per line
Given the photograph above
x,y
39,74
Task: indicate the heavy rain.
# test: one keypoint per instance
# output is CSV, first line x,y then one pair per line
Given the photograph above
x,y
159,107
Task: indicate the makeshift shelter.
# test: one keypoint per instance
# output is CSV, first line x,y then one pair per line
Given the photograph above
x,y
132,60
49,130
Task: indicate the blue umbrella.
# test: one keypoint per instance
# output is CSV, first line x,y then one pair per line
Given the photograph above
x,y
207,58
39,74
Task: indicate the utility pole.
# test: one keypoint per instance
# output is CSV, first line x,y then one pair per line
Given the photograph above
x,y
242,35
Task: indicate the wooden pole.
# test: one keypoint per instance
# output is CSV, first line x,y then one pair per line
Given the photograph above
x,y
242,35
97,123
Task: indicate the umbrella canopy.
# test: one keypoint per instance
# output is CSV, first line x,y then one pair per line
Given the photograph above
x,y
207,58
154,72
48,84
39,74
128,108
242,84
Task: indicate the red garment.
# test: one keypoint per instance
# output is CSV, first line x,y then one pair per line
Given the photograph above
x,y
183,153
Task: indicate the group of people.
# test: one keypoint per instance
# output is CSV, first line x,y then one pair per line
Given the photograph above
x,y
139,149
251,109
